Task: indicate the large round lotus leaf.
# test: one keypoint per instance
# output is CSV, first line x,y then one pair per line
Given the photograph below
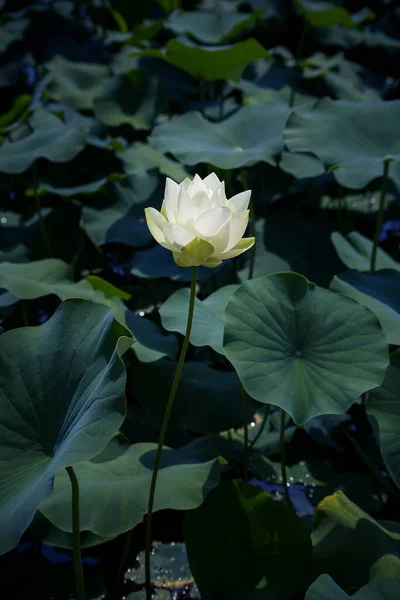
x,y
347,82
324,588
61,400
252,134
381,34
383,410
76,84
379,291
322,14
208,325
76,190
52,276
143,157
210,27
301,347
210,63
345,535
133,99
44,531
42,278
355,252
119,216
52,139
361,137
207,401
114,486
254,540
301,165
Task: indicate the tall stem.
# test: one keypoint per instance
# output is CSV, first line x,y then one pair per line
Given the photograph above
x,y
262,426
283,461
243,396
381,213
76,534
252,224
121,568
163,432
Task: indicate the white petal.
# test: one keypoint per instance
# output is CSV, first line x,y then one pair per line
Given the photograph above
x,y
177,236
211,182
237,227
185,209
210,222
219,196
196,187
243,245
155,222
171,199
240,202
221,240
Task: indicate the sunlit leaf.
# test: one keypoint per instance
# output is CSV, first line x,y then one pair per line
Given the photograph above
x,y
322,14
344,534
209,62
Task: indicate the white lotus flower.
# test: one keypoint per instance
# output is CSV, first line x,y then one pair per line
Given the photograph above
x,y
198,224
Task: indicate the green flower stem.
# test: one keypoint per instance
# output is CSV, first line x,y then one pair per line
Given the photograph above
x,y
283,461
262,427
381,212
243,396
121,569
252,225
163,432
76,535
